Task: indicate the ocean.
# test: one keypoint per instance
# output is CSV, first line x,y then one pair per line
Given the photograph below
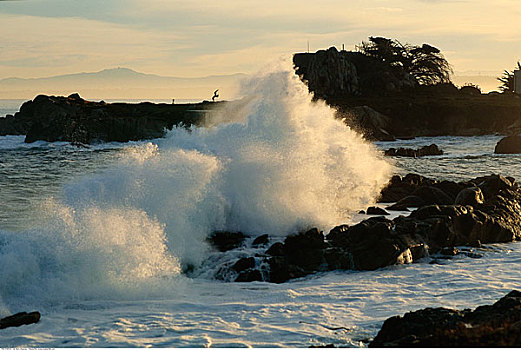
x,y
96,238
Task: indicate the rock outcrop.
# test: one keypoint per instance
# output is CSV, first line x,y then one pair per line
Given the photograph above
x,y
449,214
509,145
431,150
349,80
73,119
497,325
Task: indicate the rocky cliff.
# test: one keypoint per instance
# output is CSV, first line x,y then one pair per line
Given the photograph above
x,y
384,102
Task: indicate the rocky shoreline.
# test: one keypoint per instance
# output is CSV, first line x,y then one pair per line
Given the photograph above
x,y
497,325
384,105
449,215
73,119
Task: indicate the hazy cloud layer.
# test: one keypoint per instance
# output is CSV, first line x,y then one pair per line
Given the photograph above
x,y
188,38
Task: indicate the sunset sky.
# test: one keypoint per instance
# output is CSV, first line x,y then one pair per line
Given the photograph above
x,y
198,38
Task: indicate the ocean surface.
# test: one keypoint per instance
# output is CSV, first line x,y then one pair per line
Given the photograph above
x,y
96,238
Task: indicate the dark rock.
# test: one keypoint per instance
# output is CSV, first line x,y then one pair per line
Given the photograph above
x,y
370,123
496,325
397,207
470,196
338,259
338,236
432,195
378,242
261,240
491,185
305,249
399,187
244,264
276,249
376,211
449,251
373,244
508,145
281,270
224,241
75,96
431,150
407,202
73,119
361,212
249,275
19,319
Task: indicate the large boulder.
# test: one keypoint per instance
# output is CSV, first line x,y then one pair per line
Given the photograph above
x,y
496,325
224,240
509,145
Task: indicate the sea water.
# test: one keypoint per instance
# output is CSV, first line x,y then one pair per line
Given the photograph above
x,y
96,238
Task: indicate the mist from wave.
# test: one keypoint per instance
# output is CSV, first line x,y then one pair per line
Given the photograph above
x,y
274,163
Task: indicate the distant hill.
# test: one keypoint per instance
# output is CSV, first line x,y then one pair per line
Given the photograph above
x,y
122,83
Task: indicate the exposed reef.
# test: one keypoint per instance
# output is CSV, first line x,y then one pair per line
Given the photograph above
x,y
480,211
492,326
431,150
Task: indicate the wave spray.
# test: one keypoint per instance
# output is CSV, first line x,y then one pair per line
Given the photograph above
x,y
273,162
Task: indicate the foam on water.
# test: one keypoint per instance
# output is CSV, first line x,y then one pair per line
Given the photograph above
x,y
275,163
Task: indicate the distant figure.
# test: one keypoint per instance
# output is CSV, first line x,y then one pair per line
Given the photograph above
x,y
173,101
215,95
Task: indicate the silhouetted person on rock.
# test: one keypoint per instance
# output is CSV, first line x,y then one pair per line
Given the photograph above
x,y
215,95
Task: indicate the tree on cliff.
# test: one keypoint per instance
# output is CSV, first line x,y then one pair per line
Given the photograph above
x,y
507,80
425,63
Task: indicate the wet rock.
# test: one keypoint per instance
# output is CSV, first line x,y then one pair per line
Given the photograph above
x,y
491,185
337,236
373,244
224,240
305,249
249,275
407,202
276,249
338,259
431,150
376,211
496,325
449,251
372,124
400,187
508,145
280,270
432,195
19,319
244,264
261,240
470,196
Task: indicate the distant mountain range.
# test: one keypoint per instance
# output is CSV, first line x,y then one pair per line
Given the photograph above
x,y
125,83
122,83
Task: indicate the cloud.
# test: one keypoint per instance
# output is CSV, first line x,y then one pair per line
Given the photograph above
x,y
192,38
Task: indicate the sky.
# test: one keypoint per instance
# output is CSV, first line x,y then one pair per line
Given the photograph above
x,y
40,38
